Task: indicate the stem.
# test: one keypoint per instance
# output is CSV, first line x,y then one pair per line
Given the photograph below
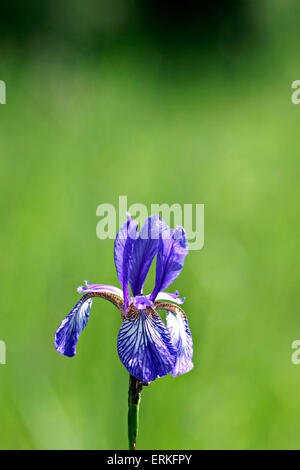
x,y
134,399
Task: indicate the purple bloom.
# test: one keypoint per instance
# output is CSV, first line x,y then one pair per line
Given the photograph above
x,y
147,346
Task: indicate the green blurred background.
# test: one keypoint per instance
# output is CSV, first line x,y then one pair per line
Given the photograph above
x,y
172,103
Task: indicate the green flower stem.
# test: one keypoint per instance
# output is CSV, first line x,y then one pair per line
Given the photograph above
x,y
134,399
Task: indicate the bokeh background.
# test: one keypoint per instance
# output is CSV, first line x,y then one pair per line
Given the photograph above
x,y
163,102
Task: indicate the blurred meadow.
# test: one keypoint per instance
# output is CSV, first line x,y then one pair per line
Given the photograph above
x,y
162,115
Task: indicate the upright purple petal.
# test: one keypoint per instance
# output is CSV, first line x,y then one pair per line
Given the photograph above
x,y
67,334
144,345
144,250
172,250
122,253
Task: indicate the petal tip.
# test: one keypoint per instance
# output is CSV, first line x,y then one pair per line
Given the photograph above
x,y
179,370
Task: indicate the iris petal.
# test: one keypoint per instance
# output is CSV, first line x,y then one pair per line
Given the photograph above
x,y
144,345
122,253
172,250
181,337
67,334
144,250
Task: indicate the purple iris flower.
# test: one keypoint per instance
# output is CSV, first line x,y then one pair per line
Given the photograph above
x,y
147,346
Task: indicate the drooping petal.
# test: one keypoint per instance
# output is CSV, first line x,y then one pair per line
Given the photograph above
x,y
144,250
172,250
181,337
170,297
99,288
67,334
122,253
144,345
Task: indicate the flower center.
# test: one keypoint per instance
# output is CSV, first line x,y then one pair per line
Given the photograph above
x,y
141,302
